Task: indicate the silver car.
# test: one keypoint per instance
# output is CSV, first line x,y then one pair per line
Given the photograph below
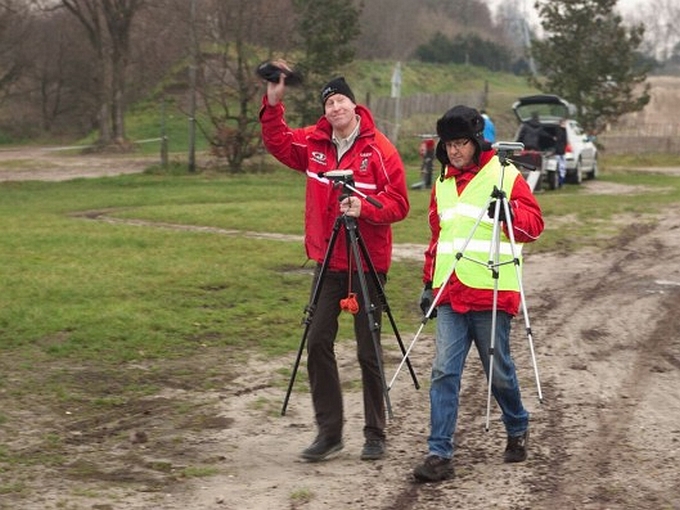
x,y
581,151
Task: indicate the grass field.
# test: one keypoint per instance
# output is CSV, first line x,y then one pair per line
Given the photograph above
x,y
115,292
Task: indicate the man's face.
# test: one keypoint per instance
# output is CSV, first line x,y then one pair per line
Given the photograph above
x,y
460,151
339,111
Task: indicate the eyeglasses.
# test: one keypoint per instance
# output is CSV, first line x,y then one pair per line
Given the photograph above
x,y
456,144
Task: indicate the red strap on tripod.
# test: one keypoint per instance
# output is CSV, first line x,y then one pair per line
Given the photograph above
x,y
350,303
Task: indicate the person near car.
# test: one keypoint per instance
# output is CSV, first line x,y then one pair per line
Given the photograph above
x,y
532,133
560,151
466,301
489,127
345,137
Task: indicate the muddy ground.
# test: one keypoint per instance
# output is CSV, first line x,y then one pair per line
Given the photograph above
x,y
606,331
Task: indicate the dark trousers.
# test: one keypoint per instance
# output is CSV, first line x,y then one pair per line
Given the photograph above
x,y
322,367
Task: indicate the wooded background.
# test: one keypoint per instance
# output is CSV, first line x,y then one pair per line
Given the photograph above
x,y
71,67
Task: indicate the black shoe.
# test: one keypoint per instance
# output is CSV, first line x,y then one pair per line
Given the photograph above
x,y
373,449
321,449
434,469
516,449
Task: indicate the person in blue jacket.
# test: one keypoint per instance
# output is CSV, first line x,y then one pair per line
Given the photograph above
x,y
489,127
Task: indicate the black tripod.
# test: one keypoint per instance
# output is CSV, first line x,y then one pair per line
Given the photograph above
x,y
498,196
356,249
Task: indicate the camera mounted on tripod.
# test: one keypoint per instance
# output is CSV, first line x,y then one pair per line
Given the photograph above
x,y
504,151
345,178
339,177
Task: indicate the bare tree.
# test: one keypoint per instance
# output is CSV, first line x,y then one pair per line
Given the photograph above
x,y
46,84
14,23
108,27
160,40
118,15
227,85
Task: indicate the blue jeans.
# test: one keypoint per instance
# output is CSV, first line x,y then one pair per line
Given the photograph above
x,y
455,334
561,168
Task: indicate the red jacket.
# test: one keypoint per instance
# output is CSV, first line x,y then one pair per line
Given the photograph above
x,y
378,172
527,227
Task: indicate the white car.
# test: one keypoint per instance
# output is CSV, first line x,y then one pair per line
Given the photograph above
x,y
581,151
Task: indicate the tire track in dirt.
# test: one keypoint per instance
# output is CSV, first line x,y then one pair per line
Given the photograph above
x,y
601,441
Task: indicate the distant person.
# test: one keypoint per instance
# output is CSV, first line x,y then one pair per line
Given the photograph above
x,y
531,133
560,151
426,151
489,127
471,171
345,137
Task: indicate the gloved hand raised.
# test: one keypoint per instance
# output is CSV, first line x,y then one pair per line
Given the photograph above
x,y
426,299
501,213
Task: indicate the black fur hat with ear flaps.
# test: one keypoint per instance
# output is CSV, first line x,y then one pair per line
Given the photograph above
x,y
460,122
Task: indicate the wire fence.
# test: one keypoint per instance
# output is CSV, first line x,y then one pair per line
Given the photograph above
x,y
418,111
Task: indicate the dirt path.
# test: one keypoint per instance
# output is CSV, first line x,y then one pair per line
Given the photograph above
x,y
607,435
60,164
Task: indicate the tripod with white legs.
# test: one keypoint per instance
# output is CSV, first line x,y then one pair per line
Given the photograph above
x,y
499,198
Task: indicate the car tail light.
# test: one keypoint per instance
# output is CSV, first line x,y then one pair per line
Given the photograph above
x,y
567,149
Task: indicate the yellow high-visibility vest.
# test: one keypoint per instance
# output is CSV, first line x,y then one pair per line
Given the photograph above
x,y
457,218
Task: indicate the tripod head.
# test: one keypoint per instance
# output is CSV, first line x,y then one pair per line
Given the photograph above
x,y
506,149
345,178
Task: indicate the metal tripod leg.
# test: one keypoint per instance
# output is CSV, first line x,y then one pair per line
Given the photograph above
x,y
374,326
383,299
310,309
494,264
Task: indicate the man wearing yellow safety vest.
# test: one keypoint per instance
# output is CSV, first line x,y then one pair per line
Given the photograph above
x,y
464,310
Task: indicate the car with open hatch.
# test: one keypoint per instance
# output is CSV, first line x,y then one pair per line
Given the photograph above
x,y
581,151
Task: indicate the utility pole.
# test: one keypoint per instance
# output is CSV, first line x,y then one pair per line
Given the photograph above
x,y
192,81
396,95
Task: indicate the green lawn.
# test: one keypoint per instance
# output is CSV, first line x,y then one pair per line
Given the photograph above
x,y
77,287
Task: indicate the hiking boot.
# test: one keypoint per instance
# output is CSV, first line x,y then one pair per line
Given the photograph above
x,y
373,449
516,449
321,449
434,469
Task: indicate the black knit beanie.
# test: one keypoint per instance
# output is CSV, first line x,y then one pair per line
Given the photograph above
x,y
336,86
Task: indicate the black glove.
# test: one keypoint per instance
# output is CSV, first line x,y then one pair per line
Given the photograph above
x,y
426,299
501,213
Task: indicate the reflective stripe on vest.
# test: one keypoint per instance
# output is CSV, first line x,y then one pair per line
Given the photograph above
x,y
457,218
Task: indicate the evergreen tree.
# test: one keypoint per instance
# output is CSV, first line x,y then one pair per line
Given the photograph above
x,y
589,58
327,30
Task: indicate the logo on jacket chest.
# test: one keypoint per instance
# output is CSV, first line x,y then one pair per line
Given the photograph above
x,y
364,164
319,157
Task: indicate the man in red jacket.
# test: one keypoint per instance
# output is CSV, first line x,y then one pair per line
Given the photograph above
x,y
459,219
346,138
